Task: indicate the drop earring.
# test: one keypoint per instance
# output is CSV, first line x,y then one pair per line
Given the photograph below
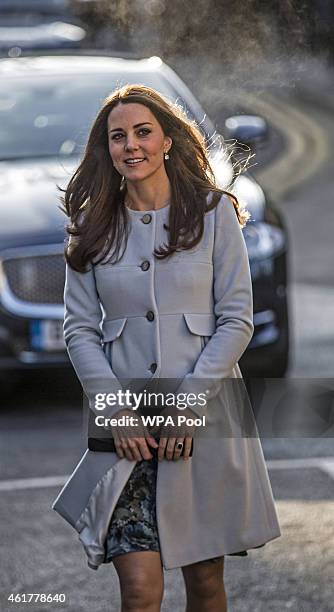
x,y
166,155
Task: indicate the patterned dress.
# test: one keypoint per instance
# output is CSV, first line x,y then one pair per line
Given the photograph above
x,y
133,526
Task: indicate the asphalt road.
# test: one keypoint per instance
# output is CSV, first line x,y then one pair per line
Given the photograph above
x,y
41,437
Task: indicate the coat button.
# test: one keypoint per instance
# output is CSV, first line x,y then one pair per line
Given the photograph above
x,y
145,265
146,219
153,367
150,315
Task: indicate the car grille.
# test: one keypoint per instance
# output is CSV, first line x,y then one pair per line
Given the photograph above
x,y
37,279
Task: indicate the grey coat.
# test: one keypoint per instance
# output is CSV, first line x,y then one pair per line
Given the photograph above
x,y
220,501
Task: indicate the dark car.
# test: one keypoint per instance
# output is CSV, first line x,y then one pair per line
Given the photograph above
x,y
47,106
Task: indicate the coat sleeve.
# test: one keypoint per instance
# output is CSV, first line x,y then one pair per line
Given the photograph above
x,y
233,307
83,337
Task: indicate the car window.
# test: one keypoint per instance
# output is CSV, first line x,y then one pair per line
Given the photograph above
x,y
43,116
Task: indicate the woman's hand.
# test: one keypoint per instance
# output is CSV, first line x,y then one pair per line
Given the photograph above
x,y
136,446
168,448
172,435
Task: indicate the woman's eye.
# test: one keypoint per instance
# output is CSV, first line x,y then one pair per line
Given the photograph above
x,y
142,132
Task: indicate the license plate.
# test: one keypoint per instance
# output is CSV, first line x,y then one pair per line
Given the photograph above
x,y
47,335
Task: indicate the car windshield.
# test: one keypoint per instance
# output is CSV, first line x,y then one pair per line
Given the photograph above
x,y
52,115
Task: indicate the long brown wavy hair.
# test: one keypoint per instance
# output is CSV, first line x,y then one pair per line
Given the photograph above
x,y
94,198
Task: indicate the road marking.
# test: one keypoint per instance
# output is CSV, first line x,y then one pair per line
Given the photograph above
x,y
32,483
328,467
322,463
307,143
326,464
307,149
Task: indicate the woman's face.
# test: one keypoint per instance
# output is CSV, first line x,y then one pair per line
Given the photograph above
x,y
136,141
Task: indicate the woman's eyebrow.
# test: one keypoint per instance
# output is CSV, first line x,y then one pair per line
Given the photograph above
x,y
135,126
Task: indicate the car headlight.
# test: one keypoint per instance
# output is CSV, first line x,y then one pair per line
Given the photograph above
x,y
263,240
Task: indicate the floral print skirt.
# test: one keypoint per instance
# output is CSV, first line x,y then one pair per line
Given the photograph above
x,y
133,526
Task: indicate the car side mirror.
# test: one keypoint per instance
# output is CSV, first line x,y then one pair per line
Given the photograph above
x,y
247,129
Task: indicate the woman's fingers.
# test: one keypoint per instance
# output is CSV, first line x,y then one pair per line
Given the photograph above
x,y
133,446
152,441
168,448
138,449
119,450
178,448
162,448
127,449
118,445
187,448
134,449
144,449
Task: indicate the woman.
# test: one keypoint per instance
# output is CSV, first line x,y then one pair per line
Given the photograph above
x,y
168,293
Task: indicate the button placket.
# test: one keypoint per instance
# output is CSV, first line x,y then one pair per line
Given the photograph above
x,y
149,265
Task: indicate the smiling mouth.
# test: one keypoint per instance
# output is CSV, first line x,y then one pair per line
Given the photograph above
x,y
134,161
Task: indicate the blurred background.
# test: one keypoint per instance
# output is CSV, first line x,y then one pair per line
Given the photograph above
x,y
261,76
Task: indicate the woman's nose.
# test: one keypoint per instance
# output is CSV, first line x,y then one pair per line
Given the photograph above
x,y
131,143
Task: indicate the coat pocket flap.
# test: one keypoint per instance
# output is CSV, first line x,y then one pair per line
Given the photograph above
x,y
201,324
112,328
